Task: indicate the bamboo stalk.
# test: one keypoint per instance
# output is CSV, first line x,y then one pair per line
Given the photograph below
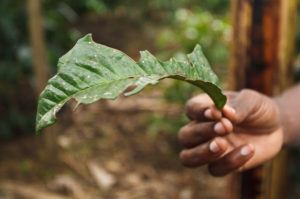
x,y
262,50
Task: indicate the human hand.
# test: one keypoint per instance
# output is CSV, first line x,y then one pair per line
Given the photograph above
x,y
246,133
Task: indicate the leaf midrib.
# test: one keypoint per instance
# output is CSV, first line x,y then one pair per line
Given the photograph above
x,y
80,91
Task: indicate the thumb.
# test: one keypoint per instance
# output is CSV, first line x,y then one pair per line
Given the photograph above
x,y
240,106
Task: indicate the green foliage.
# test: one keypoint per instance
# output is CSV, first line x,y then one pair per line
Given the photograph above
x,y
15,70
215,6
198,26
62,21
17,100
206,23
163,123
90,71
179,92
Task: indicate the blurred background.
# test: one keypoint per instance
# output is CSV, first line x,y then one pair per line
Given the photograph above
x,y
125,148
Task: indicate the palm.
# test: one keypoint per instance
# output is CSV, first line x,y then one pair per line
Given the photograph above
x,y
260,128
264,144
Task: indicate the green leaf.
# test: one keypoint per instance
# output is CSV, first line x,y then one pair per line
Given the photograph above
x,y
90,71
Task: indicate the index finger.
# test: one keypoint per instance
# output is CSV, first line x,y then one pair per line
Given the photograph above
x,y
202,108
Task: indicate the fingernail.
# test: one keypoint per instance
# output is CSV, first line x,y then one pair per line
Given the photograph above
x,y
208,114
219,128
229,108
246,150
213,147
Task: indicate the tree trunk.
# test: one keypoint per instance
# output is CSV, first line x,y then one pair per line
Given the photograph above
x,y
37,44
262,51
39,60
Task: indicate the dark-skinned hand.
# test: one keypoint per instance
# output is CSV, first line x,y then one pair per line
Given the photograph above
x,y
246,133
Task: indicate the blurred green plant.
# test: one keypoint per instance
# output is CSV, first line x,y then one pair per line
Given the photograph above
x,y
159,123
25,166
17,109
178,92
60,21
15,68
207,23
191,26
196,26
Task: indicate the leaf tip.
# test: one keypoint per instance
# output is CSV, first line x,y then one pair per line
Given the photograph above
x,y
220,105
87,38
198,47
37,130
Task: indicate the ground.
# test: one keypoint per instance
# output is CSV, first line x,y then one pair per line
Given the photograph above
x,y
104,150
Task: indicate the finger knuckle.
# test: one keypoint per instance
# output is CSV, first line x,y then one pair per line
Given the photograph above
x,y
189,107
252,95
187,160
189,164
183,135
216,172
183,156
230,93
249,92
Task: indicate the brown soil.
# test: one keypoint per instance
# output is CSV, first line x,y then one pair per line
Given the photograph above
x,y
135,164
